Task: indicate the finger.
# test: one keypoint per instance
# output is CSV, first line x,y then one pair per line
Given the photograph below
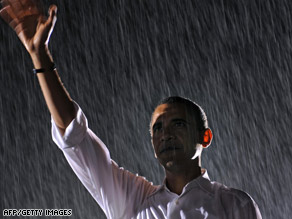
x,y
16,7
31,5
8,15
28,12
4,14
52,12
23,8
4,3
52,18
27,3
49,24
24,3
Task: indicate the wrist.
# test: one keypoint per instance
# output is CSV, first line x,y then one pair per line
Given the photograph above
x,y
37,53
44,70
41,58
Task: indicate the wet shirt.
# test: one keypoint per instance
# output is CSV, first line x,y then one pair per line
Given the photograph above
x,y
122,194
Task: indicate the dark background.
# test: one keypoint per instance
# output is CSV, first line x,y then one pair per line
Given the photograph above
x,y
118,59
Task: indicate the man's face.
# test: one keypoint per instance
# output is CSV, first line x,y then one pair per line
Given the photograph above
x,y
174,135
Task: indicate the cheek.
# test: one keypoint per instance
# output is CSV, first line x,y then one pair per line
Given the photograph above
x,y
154,144
188,139
155,139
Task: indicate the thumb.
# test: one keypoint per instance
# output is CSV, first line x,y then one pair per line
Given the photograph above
x,y
50,23
52,14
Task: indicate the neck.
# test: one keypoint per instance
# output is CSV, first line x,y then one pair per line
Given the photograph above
x,y
176,181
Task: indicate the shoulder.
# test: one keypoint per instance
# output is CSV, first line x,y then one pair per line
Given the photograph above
x,y
229,195
236,195
237,202
242,204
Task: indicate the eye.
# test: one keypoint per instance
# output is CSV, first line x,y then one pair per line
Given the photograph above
x,y
179,124
156,128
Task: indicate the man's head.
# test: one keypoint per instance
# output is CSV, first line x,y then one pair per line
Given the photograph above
x,y
179,130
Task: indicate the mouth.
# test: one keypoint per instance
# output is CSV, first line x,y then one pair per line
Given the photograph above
x,y
169,148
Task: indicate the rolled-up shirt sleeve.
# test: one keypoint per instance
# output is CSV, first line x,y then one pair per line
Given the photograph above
x,y
116,190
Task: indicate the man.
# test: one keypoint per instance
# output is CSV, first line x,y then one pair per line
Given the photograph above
x,y
179,132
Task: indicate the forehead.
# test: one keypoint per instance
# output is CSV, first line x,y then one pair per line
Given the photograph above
x,y
170,111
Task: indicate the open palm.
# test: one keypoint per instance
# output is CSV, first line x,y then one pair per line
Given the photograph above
x,y
28,21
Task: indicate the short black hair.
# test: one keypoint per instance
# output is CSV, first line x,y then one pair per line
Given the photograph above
x,y
195,109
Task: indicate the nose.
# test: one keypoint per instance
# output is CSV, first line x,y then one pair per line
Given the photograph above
x,y
167,135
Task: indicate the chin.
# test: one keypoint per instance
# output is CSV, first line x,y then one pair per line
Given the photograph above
x,y
174,165
169,164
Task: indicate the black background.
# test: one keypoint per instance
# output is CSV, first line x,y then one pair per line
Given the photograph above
x,y
118,59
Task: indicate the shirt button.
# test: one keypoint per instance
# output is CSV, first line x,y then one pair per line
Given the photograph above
x,y
177,202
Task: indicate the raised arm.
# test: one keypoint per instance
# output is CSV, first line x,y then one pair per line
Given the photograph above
x,y
34,30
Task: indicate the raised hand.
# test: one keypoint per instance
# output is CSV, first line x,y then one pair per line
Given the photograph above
x,y
30,24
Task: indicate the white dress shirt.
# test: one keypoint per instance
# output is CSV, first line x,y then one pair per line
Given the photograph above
x,y
122,194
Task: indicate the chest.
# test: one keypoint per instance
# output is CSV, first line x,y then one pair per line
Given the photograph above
x,y
192,204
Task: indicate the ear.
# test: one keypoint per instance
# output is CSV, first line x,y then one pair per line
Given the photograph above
x,y
207,138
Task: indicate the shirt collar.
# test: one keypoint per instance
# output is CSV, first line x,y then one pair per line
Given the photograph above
x,y
202,181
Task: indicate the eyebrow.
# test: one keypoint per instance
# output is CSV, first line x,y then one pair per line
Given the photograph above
x,y
179,120
173,120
